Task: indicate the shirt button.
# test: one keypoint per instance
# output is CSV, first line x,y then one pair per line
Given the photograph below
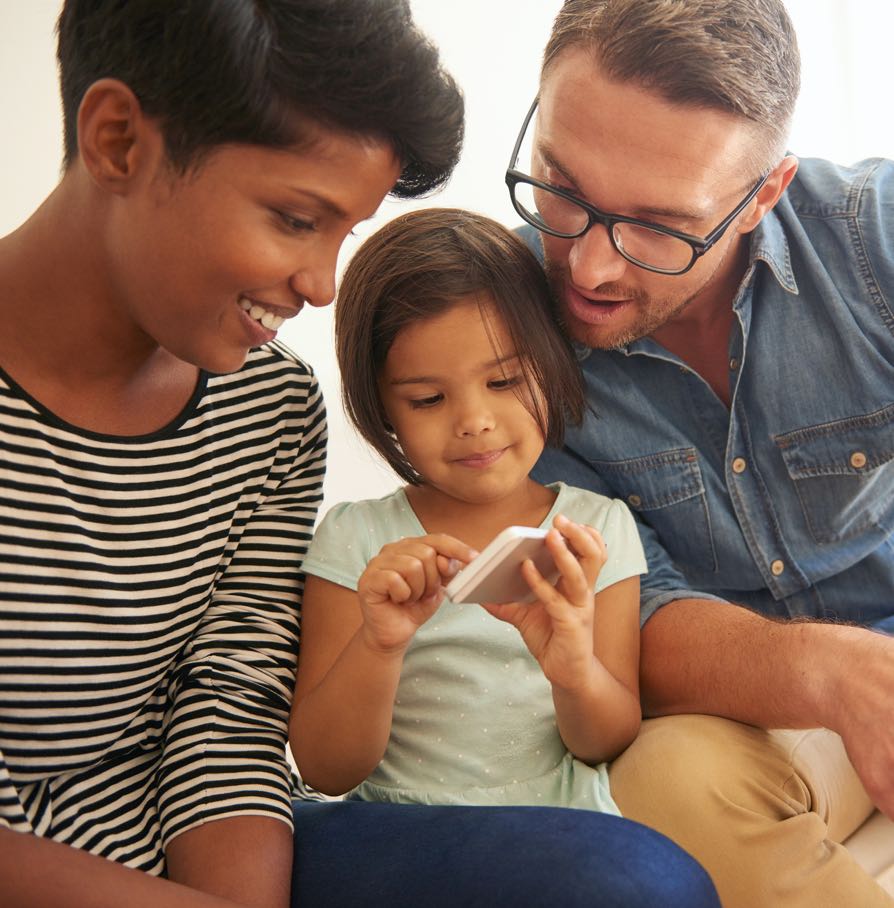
x,y
634,500
739,465
858,460
777,567
733,364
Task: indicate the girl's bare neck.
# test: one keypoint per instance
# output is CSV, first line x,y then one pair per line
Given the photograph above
x,y
476,523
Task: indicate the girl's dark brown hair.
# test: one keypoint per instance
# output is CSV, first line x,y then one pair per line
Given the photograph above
x,y
418,266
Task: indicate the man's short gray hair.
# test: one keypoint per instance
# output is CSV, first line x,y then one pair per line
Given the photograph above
x,y
739,56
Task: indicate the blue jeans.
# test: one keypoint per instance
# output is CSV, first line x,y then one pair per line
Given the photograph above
x,y
351,853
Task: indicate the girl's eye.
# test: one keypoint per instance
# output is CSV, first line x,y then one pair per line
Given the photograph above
x,y
420,403
503,384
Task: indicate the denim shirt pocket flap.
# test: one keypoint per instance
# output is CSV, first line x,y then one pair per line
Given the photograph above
x,y
843,472
667,490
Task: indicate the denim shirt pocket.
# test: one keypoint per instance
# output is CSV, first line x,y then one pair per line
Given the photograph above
x,y
843,472
667,491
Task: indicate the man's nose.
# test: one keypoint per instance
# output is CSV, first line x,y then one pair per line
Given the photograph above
x,y
593,259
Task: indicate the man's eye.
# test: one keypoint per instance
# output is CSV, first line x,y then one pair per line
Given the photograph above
x,y
420,403
555,180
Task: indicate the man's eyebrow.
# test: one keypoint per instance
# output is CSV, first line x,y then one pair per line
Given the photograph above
x,y
643,212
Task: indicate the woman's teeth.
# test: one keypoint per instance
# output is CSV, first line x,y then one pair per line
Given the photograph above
x,y
260,314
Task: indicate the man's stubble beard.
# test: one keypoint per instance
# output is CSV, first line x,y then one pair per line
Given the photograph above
x,y
651,313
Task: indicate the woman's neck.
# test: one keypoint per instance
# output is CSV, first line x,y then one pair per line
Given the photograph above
x,y
62,337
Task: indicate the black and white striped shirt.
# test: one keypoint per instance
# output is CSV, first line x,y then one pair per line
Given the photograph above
x,y
149,591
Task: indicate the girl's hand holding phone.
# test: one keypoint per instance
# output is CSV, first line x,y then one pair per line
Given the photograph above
x,y
403,586
558,627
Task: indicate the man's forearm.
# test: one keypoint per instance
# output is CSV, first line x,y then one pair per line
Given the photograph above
x,y
700,656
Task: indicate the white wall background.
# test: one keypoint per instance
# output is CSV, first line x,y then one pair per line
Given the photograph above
x,y
493,49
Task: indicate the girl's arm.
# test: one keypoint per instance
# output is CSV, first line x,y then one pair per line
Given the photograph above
x,y
341,714
588,647
352,649
601,718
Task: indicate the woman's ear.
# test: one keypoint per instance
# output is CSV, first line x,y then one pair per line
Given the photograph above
x,y
770,193
112,133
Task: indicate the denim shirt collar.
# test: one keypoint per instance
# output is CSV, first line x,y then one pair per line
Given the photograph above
x,y
769,243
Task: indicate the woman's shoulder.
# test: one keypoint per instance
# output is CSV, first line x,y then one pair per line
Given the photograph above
x,y
271,366
273,387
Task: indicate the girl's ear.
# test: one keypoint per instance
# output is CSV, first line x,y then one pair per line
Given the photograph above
x,y
114,136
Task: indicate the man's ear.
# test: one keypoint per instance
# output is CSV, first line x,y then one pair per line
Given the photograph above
x,y
770,193
112,133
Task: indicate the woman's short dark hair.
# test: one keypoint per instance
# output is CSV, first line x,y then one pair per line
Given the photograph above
x,y
256,71
418,266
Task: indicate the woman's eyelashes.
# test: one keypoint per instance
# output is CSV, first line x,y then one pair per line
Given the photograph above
x,y
295,223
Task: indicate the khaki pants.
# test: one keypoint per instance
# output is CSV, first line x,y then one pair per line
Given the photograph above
x,y
762,811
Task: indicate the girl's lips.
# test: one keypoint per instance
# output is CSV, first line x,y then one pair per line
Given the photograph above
x,y
480,461
593,312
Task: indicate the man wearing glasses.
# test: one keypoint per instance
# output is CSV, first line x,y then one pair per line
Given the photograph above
x,y
734,311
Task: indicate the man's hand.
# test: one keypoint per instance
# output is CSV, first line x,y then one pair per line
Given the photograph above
x,y
860,705
724,660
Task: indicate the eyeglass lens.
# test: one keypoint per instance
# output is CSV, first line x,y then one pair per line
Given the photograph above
x,y
563,216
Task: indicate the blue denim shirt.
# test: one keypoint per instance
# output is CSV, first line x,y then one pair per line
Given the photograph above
x,y
785,502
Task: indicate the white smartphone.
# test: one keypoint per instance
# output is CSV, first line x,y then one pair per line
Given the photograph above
x,y
495,575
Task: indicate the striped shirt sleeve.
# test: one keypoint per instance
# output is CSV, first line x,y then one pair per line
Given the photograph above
x,y
228,721
149,596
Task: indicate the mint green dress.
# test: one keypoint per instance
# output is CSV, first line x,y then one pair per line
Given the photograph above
x,y
474,721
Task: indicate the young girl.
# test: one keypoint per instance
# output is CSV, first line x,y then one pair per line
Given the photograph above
x,y
457,373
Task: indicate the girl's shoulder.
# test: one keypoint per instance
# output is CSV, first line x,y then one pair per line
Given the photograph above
x,y
378,520
352,532
388,507
615,522
585,506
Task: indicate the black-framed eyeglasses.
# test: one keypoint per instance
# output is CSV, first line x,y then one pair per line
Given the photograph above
x,y
651,246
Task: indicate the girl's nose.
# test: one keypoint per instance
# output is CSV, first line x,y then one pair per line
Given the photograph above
x,y
473,420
